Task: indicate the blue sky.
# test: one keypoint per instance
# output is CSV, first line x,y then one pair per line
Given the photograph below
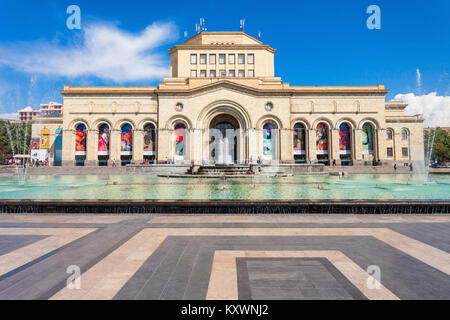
x,y
318,43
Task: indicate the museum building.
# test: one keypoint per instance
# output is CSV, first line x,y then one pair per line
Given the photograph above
x,y
223,104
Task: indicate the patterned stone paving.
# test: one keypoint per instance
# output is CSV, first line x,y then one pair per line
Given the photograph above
x,y
224,257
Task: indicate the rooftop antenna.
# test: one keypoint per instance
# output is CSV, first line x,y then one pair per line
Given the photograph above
x,y
242,25
201,27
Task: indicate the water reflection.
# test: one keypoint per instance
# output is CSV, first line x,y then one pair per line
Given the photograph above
x,y
296,187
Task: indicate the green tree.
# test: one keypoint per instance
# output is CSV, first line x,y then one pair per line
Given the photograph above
x,y
441,147
20,139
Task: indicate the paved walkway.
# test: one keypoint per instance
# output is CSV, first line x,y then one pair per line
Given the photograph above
x,y
225,257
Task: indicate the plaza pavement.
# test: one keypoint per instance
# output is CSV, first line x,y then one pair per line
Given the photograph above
x,y
225,257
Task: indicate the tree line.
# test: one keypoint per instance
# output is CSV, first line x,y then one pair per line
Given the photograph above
x,y
20,136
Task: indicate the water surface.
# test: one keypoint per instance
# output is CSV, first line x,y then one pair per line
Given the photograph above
x,y
358,186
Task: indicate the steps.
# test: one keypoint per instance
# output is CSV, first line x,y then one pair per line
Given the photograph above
x,y
221,170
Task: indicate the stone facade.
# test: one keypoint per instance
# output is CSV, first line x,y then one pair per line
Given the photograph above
x,y
260,117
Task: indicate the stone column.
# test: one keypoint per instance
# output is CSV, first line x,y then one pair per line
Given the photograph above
x,y
68,150
334,154
358,160
114,147
197,139
285,145
138,146
312,145
164,145
92,148
252,144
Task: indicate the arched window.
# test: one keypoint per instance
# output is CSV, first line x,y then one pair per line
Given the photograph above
x,y
126,139
103,140
299,139
268,141
404,134
180,141
80,139
345,139
322,138
367,138
149,140
389,134
299,143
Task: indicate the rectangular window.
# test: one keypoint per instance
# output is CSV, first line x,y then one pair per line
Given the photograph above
x,y
231,58
231,73
194,73
203,73
203,59
223,73
212,73
212,59
221,58
241,58
251,58
390,153
193,59
251,73
241,73
404,152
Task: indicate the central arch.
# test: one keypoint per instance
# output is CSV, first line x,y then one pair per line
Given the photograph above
x,y
230,121
224,142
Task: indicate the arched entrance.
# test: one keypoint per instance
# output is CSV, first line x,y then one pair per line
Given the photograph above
x,y
224,142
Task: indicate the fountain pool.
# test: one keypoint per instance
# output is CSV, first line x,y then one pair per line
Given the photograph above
x,y
116,187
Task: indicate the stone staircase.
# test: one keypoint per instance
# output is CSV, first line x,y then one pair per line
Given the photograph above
x,y
222,170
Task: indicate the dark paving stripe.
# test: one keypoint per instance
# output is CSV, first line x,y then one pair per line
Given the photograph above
x,y
406,277
243,280
51,225
293,278
433,234
10,243
43,279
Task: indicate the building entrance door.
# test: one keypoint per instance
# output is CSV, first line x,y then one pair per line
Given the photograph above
x,y
223,143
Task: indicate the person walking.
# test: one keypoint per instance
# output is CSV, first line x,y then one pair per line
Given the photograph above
x,y
411,167
395,167
114,163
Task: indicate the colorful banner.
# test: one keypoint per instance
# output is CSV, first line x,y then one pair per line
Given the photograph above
x,y
80,140
180,131
45,139
149,140
58,146
367,139
322,139
35,143
299,139
268,132
344,139
103,140
126,139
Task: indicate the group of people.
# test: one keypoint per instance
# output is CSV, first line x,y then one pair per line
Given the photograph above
x,y
32,163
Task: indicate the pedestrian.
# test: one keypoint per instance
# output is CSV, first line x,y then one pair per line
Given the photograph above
x,y
114,163
410,167
334,162
395,167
